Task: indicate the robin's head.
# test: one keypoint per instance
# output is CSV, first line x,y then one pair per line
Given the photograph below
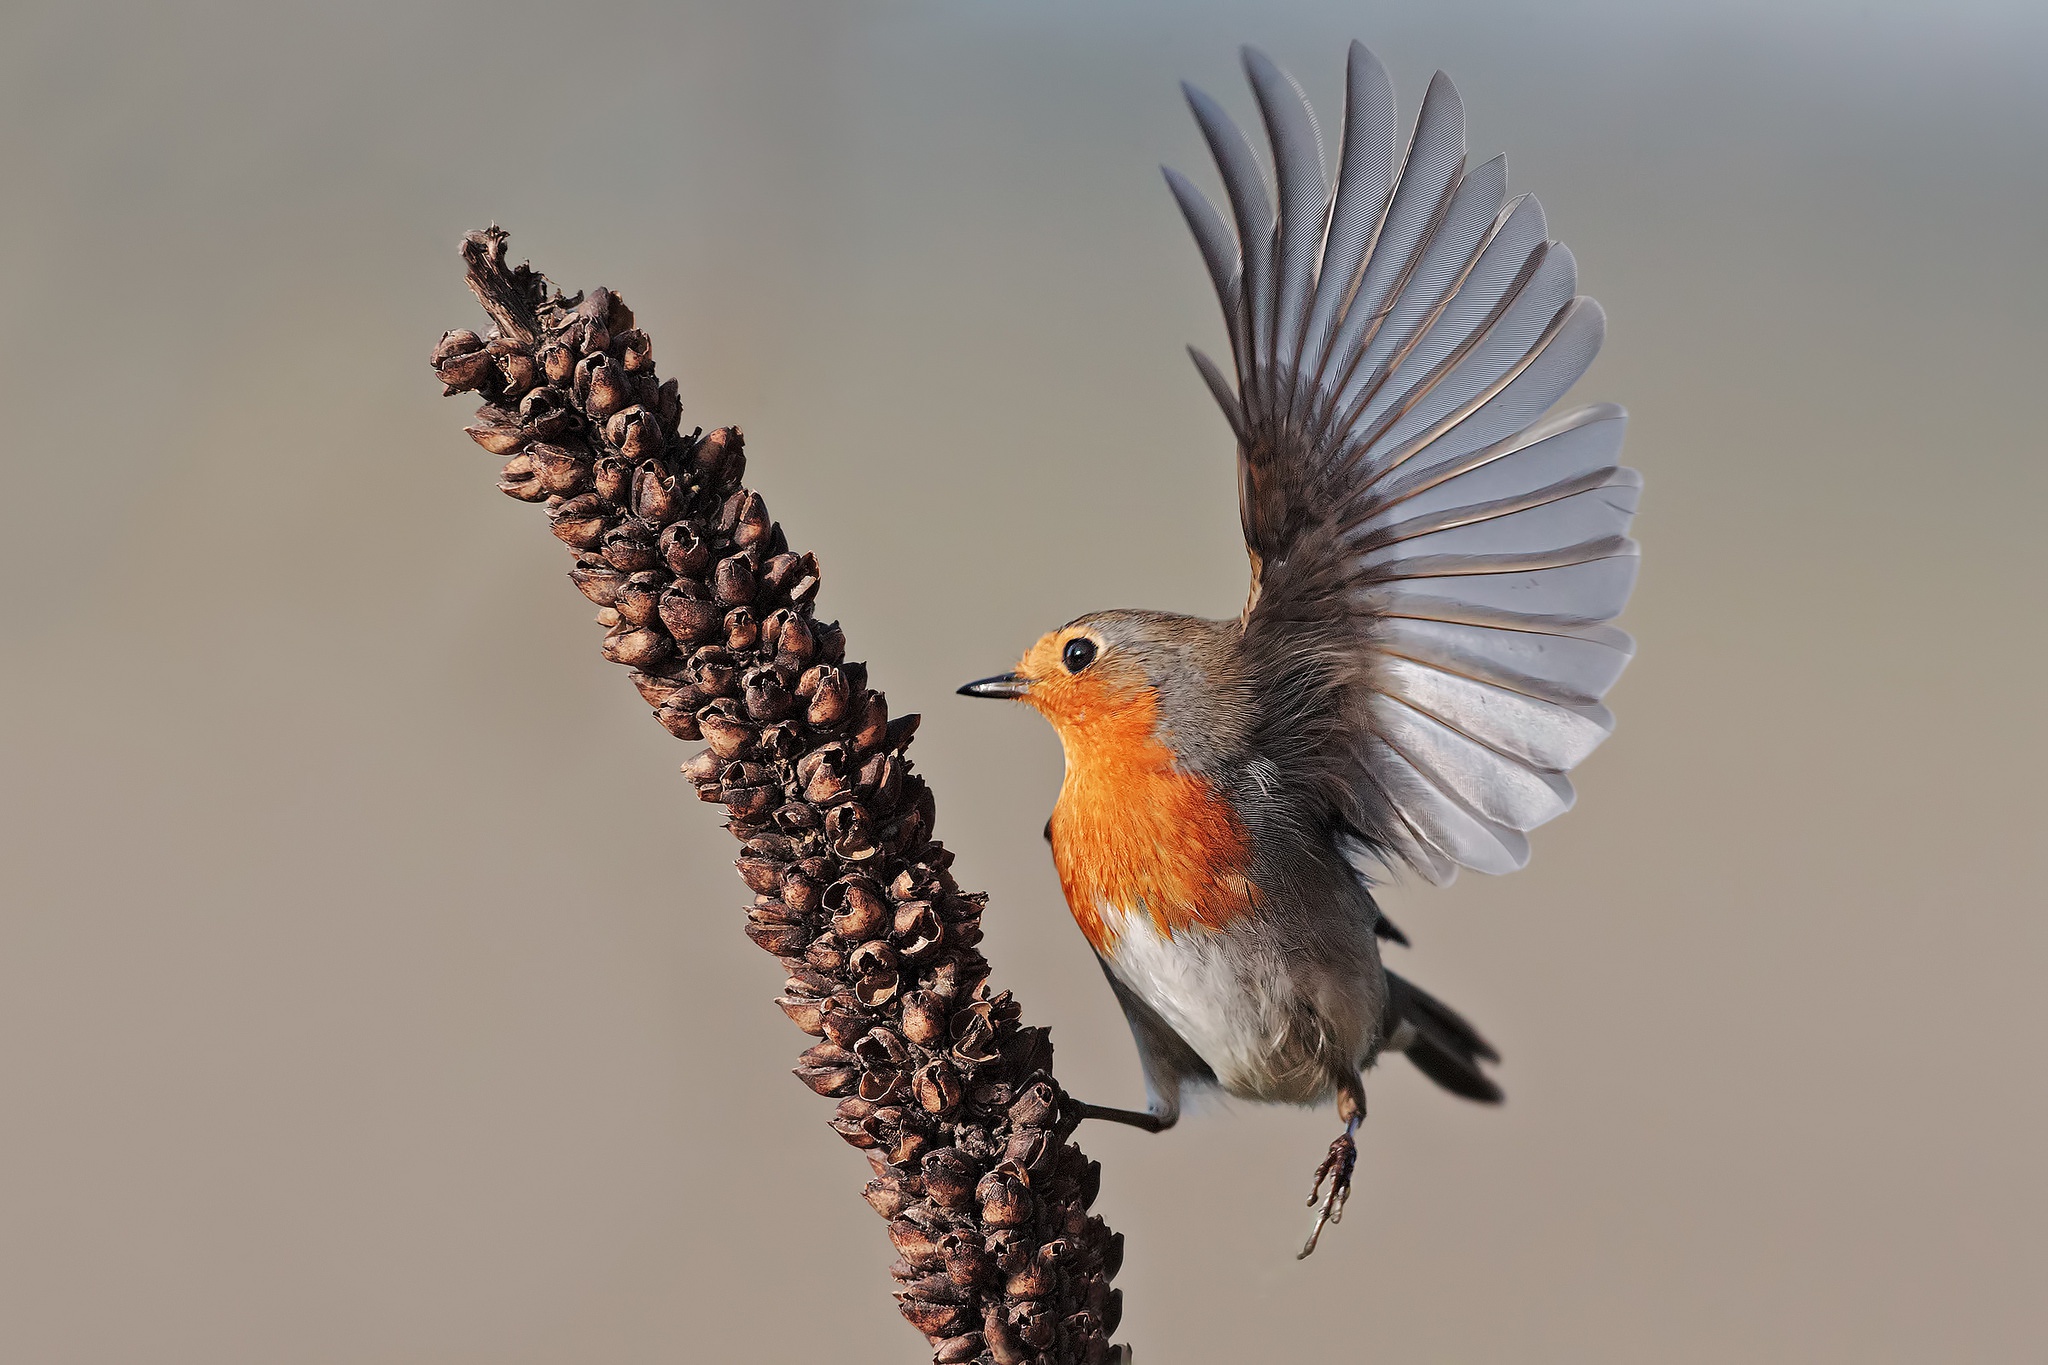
x,y
1115,668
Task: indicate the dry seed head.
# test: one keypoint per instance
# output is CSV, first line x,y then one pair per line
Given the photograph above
x,y
704,600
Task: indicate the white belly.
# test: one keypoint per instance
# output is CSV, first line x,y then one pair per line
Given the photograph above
x,y
1231,998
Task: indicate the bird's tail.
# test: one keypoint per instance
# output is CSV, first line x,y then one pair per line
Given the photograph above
x,y
1439,1041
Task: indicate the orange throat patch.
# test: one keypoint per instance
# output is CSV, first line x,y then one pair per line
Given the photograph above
x,y
1134,832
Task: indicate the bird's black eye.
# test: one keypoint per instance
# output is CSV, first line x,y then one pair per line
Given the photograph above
x,y
1079,653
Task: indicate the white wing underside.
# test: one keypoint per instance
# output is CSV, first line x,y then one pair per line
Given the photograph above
x,y
1409,329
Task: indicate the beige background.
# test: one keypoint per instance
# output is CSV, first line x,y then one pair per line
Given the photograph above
x,y
371,987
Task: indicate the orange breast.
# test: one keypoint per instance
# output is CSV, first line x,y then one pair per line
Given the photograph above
x,y
1130,831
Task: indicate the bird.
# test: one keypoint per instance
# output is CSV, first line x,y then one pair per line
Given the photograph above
x,y
1436,560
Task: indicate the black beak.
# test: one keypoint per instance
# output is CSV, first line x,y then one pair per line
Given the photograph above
x,y
1005,685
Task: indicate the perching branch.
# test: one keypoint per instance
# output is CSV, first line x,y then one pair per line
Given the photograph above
x,y
950,1096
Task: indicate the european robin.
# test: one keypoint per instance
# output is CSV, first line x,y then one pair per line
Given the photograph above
x,y
1422,654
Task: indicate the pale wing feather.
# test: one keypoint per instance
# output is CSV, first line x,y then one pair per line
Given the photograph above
x,y
1245,186
1438,269
1504,268
1436,158
1365,182
1489,782
1540,733
1581,443
1566,667
1304,201
1447,826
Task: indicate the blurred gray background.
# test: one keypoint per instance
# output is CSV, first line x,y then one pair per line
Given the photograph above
x,y
371,986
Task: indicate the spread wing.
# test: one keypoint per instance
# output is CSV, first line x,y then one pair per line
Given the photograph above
x,y
1434,560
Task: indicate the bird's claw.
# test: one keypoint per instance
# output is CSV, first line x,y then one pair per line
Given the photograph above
x,y
1337,1167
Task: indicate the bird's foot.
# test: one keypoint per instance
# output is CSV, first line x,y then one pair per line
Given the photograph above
x,y
1151,1123
1337,1167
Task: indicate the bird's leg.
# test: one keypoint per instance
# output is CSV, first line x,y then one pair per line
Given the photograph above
x,y
1151,1123
1337,1166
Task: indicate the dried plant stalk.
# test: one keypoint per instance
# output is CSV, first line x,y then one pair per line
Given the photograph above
x,y
951,1097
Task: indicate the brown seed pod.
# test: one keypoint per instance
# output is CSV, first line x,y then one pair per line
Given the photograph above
x,y
703,767
749,523
733,581
1034,1150
639,596
742,631
598,581
829,1080
777,572
850,832
880,1048
909,1147
974,1039
1040,1278
657,688
823,773
517,481
724,729
1037,1107
871,722
656,499
1005,1346
500,438
889,1195
880,1084
517,371
461,373
711,667
916,931
924,1018
636,352
845,1026
459,342
638,647
687,618
763,875
949,1178
938,1091
629,548
877,988
602,385
872,957
828,699
808,1015
1005,1199
795,645
557,361
916,1244
559,470
857,908
766,698
801,889
611,479
932,1319
684,549
579,522
717,452
781,940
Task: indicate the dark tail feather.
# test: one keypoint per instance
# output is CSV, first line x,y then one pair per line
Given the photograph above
x,y
1440,1043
